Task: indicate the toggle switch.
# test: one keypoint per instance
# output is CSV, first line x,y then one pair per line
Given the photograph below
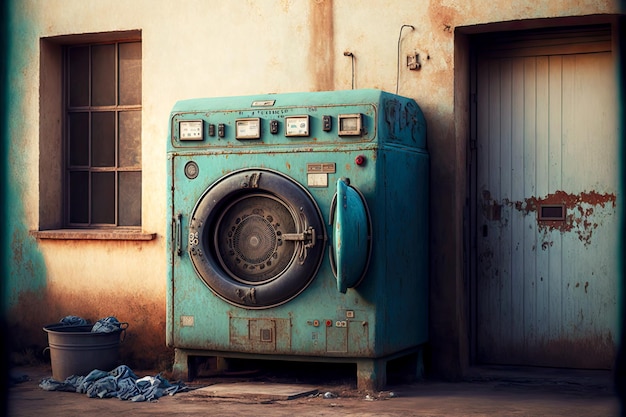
x,y
327,123
221,130
273,127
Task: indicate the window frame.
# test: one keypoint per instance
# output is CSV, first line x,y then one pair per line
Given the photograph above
x,y
52,146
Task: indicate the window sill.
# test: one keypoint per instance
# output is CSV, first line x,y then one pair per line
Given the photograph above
x,y
91,234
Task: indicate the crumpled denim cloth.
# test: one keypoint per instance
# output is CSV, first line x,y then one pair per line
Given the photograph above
x,y
73,321
69,385
83,383
108,325
151,388
103,388
120,382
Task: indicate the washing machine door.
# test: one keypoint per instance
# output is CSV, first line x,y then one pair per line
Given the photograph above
x,y
352,241
256,238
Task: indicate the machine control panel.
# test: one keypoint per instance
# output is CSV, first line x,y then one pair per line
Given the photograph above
x,y
274,127
297,120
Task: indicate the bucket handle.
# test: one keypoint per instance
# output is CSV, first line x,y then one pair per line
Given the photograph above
x,y
46,349
123,327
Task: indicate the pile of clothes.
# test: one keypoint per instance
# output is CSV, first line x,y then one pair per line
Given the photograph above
x,y
105,325
120,383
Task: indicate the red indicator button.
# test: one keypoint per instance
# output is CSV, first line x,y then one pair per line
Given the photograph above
x,y
359,160
329,323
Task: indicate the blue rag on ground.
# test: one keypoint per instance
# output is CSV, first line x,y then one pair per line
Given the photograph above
x,y
120,382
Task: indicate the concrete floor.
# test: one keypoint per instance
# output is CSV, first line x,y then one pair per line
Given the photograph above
x,y
487,391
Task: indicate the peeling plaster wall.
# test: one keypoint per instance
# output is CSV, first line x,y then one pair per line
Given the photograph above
x,y
200,48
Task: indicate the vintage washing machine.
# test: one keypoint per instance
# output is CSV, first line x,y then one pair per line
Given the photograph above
x,y
298,230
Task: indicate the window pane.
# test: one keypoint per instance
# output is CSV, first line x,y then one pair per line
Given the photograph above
x,y
79,197
103,139
103,75
130,199
103,128
130,139
130,73
79,76
79,139
103,197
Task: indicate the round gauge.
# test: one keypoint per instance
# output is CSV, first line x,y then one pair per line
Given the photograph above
x,y
191,170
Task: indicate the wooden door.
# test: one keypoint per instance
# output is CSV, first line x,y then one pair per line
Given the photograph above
x,y
545,203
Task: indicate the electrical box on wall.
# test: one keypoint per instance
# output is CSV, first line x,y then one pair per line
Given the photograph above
x,y
413,62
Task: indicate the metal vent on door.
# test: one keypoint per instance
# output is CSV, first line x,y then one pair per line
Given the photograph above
x,y
552,212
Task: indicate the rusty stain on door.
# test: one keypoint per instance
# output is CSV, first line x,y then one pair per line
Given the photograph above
x,y
578,209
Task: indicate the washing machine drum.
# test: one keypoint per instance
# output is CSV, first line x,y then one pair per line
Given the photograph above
x,y
256,238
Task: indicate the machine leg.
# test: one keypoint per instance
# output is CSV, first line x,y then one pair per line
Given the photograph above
x,y
180,369
371,374
221,363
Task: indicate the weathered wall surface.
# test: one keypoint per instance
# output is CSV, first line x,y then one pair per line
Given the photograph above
x,y
222,48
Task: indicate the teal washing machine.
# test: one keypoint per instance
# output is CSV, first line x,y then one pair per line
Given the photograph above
x,y
298,230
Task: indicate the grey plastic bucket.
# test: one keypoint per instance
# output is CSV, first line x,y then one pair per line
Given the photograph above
x,y
75,350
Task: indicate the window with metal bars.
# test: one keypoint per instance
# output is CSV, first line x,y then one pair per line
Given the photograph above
x,y
103,135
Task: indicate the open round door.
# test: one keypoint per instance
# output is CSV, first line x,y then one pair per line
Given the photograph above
x,y
352,240
256,238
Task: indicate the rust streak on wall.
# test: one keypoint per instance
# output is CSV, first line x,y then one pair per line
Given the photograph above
x,y
442,17
321,47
